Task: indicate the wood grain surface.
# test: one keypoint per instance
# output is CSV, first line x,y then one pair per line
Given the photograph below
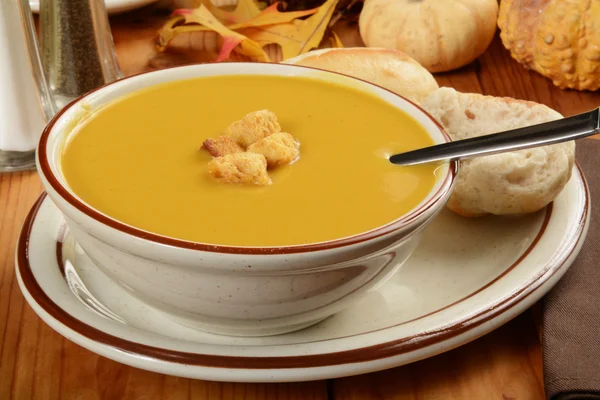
x,y
37,363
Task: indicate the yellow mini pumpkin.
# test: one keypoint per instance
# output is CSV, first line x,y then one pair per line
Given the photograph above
x,y
560,39
441,35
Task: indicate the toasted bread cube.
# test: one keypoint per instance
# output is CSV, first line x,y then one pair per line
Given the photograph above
x,y
279,149
222,146
253,127
246,168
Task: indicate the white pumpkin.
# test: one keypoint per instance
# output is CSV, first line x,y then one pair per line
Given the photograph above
x,y
441,35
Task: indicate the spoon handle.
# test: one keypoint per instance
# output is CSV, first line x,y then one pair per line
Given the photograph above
x,y
562,130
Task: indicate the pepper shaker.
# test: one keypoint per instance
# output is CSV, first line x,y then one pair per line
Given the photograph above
x,y
77,48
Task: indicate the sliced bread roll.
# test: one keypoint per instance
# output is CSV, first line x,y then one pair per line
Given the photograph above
x,y
390,69
511,183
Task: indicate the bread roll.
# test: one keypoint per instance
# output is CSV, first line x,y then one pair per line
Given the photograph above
x,y
518,182
388,68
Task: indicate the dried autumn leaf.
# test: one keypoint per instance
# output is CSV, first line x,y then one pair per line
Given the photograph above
x,y
244,10
223,16
335,40
295,5
231,39
168,31
173,28
269,16
296,37
272,16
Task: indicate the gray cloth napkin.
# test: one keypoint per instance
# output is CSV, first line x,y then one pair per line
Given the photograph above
x,y
571,311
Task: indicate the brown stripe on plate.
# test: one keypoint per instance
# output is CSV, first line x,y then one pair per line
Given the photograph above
x,y
59,246
375,352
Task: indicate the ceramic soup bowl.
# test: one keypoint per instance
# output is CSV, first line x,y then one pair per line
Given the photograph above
x,y
238,290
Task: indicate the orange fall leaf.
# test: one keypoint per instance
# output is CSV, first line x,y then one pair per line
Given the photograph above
x,y
231,39
272,16
296,37
335,40
244,10
247,29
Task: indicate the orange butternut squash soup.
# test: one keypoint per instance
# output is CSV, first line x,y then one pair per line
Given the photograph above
x,y
138,160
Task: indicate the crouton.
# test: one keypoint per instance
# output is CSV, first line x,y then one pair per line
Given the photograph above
x,y
222,146
279,149
245,168
253,127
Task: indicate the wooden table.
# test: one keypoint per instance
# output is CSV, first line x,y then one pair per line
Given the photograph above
x,y
37,363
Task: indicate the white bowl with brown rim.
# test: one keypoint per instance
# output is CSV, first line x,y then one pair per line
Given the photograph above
x,y
246,291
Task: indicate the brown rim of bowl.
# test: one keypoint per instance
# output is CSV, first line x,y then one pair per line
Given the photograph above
x,y
373,352
81,206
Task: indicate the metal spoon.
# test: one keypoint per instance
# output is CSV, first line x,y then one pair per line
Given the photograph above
x,y
562,130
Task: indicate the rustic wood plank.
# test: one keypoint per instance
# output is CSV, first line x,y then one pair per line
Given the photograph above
x,y
17,193
506,364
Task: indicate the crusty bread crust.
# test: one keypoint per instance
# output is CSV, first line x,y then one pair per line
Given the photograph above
x,y
510,183
279,149
391,69
221,146
253,127
244,168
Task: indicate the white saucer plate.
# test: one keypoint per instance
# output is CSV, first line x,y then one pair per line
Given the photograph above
x,y
112,6
467,277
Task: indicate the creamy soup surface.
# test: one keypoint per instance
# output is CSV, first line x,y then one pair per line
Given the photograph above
x,y
138,160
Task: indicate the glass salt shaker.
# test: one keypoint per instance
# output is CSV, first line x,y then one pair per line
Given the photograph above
x,y
25,101
77,48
